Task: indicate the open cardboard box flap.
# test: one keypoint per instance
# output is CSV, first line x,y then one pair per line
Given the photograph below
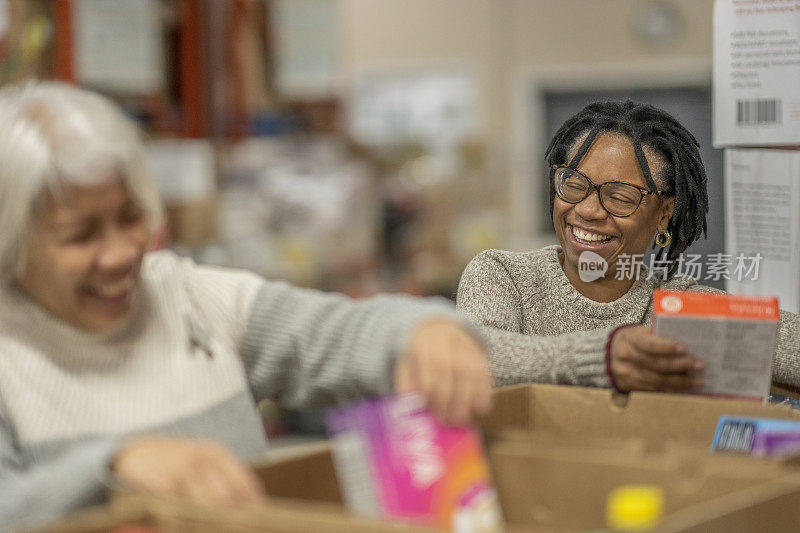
x,y
655,417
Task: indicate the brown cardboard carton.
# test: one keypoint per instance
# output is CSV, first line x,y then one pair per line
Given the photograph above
x,y
309,476
103,519
194,222
773,509
600,413
554,488
546,482
552,483
556,452
170,515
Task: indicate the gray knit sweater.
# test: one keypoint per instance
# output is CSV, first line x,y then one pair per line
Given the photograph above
x,y
541,329
205,344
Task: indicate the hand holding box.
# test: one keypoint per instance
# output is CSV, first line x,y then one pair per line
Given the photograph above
x,y
734,336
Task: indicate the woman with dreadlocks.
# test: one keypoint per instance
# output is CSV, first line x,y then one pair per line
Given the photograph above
x,y
621,176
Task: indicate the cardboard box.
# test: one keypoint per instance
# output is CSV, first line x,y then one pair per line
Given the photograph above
x,y
585,412
772,509
171,515
733,335
565,488
573,445
562,485
195,222
555,453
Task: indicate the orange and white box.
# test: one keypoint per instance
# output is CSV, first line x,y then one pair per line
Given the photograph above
x,y
734,335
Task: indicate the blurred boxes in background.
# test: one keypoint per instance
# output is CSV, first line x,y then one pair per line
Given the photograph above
x,y
193,223
320,212
296,209
185,172
292,161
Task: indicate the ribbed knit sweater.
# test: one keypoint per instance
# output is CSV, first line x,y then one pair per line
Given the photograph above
x,y
204,345
539,328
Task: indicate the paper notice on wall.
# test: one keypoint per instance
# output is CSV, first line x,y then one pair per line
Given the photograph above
x,y
306,46
762,198
437,109
119,45
756,72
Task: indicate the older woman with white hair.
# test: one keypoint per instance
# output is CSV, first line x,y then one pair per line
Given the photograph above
x,y
119,363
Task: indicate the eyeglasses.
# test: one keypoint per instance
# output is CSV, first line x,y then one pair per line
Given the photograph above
x,y
617,197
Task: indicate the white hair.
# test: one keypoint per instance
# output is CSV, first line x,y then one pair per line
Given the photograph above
x,y
56,135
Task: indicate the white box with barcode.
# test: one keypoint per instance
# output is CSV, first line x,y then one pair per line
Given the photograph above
x,y
756,72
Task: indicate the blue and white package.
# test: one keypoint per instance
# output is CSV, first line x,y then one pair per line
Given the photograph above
x,y
760,437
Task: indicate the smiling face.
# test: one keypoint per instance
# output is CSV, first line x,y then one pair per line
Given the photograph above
x,y
84,256
586,226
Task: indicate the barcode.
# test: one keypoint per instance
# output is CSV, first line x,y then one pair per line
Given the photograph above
x,y
749,112
736,437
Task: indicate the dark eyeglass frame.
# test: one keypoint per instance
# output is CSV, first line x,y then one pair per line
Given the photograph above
x,y
594,187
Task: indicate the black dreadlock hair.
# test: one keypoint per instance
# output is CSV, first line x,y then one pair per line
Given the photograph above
x,y
683,174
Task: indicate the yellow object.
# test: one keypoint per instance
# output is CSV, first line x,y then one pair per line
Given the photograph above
x,y
634,507
35,35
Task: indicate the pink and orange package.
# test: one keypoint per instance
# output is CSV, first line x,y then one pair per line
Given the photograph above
x,y
395,460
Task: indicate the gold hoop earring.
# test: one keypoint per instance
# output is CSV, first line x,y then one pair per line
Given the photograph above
x,y
663,239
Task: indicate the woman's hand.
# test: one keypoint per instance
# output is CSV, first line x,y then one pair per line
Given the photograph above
x,y
447,365
640,360
199,470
